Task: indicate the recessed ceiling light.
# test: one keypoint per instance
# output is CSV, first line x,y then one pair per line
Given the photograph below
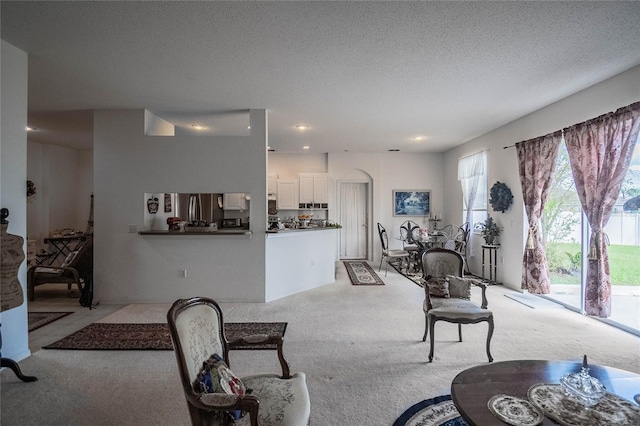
x,y
302,127
30,129
418,138
198,126
249,127
305,147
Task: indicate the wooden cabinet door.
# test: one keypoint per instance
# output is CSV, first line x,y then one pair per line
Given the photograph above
x,y
320,188
272,183
306,187
287,194
234,201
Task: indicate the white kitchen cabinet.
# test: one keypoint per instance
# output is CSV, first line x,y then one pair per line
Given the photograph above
x,y
314,190
320,188
234,201
287,194
306,188
272,183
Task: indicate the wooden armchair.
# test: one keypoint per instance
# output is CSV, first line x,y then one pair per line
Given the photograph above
x,y
77,268
197,331
448,296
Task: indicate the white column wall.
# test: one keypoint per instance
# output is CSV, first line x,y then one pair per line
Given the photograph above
x,y
618,91
131,268
13,184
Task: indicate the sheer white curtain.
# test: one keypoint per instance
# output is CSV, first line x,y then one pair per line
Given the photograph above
x,y
352,210
471,170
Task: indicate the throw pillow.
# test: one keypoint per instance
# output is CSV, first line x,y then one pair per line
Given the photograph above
x,y
459,287
69,259
216,377
438,287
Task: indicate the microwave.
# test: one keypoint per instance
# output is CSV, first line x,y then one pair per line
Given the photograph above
x,y
231,223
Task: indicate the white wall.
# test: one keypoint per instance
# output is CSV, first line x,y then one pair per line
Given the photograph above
x,y
390,171
287,166
618,91
131,268
13,184
64,183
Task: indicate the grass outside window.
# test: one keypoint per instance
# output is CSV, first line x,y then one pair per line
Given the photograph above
x,y
564,263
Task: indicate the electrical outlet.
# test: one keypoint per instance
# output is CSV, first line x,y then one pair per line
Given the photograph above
x,y
183,273
501,260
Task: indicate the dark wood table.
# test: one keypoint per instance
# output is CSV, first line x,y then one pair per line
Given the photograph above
x,y
62,246
472,388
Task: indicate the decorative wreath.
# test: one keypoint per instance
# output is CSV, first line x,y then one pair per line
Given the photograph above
x,y
500,197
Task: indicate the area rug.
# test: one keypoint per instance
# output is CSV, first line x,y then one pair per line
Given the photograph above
x,y
40,319
360,273
415,276
153,336
438,411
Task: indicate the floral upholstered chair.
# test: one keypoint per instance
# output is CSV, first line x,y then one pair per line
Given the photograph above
x,y
215,395
448,295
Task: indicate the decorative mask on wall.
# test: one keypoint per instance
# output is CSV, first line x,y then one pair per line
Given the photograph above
x,y
152,204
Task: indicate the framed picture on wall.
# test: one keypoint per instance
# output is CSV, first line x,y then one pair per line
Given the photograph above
x,y
167,203
411,202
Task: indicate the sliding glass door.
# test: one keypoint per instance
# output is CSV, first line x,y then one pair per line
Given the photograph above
x,y
566,238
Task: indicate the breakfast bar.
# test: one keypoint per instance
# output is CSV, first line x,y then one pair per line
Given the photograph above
x,y
300,259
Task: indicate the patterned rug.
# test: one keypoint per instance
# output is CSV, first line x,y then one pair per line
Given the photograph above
x,y
152,336
360,273
40,319
438,411
413,275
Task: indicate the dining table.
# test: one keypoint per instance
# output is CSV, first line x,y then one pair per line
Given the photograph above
x,y
473,389
427,241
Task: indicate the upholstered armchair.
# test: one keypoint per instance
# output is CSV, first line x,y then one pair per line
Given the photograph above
x,y
448,296
215,396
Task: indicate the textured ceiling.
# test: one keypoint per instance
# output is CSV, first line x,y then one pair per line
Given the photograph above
x,y
365,76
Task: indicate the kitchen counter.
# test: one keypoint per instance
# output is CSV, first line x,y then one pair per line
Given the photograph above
x,y
220,232
300,260
290,230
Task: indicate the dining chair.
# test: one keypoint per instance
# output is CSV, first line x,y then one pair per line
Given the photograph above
x,y
409,244
403,255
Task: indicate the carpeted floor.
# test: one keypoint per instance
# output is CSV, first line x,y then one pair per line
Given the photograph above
x,y
40,319
438,411
151,336
362,353
360,273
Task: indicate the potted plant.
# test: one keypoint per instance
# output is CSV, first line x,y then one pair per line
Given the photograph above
x,y
489,230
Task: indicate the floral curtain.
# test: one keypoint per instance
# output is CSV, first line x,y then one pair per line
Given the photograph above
x,y
470,170
537,163
600,151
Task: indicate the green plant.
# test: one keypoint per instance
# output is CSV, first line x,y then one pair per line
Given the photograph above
x,y
489,230
575,259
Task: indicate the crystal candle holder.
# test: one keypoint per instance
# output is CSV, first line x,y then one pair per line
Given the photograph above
x,y
582,386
